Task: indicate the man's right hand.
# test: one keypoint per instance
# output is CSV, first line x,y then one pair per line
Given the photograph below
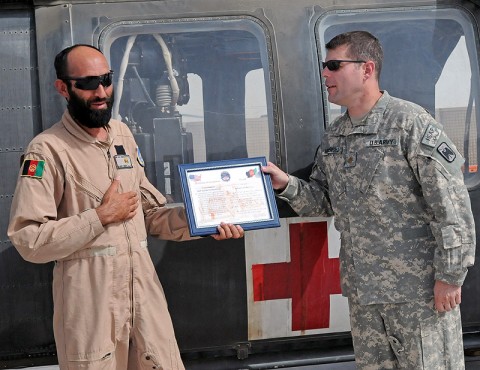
x,y
278,177
117,207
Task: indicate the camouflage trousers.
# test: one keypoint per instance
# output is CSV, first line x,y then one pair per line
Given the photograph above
x,y
409,336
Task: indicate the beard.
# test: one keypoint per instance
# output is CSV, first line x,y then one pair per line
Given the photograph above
x,y
82,112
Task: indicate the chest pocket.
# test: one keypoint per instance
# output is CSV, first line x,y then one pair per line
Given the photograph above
x,y
374,158
333,162
83,186
78,195
125,168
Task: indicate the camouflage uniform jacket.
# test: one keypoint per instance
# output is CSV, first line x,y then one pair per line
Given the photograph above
x,y
395,186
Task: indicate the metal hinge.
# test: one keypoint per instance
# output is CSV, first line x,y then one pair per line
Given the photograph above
x,y
242,350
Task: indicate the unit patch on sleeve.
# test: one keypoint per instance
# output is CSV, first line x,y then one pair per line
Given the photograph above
x,y
140,160
446,152
33,168
431,136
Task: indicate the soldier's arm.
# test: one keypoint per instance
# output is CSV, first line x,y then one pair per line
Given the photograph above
x,y
309,198
438,167
34,227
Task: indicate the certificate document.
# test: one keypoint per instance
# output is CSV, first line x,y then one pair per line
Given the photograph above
x,y
231,191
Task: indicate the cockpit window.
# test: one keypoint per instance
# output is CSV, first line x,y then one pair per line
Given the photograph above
x,y
192,92
430,58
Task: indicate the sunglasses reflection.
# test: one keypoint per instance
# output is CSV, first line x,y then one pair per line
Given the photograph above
x,y
335,64
91,82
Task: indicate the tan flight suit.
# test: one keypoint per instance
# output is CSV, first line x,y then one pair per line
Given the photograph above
x,y
109,306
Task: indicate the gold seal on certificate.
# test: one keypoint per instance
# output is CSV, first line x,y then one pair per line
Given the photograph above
x,y
233,191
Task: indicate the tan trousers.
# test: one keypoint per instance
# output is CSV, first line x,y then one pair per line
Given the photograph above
x,y
111,314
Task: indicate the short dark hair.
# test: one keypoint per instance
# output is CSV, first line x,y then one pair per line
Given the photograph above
x,y
61,64
362,45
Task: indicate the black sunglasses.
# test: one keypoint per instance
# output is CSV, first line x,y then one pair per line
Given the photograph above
x,y
91,82
334,64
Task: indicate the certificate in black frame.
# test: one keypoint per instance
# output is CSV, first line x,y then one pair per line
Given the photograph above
x,y
232,191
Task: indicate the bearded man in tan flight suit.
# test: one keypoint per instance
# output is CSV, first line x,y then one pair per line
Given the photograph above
x,y
83,201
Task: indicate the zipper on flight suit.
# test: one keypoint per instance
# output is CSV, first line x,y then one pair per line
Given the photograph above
x,y
112,175
111,170
130,258
111,163
130,252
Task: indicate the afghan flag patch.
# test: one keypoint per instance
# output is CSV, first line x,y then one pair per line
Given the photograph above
x,y
33,168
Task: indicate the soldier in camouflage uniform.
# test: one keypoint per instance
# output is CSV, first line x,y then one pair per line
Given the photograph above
x,y
393,180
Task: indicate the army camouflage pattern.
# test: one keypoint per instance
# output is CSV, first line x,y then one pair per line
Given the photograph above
x,y
395,185
406,336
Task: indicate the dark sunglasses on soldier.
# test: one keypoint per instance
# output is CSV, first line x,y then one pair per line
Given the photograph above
x,y
335,64
91,82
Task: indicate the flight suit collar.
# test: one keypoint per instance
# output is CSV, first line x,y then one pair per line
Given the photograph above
x,y
74,128
344,127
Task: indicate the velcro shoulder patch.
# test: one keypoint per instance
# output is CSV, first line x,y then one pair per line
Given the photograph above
x,y
33,168
447,155
140,160
431,136
446,152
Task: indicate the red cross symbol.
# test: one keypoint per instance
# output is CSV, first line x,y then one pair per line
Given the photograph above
x,y
308,279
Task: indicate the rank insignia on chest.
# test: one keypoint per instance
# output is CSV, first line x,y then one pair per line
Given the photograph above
x,y
431,136
350,160
33,168
123,161
120,149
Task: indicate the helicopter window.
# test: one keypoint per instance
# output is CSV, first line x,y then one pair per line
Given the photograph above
x,y
430,58
192,92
